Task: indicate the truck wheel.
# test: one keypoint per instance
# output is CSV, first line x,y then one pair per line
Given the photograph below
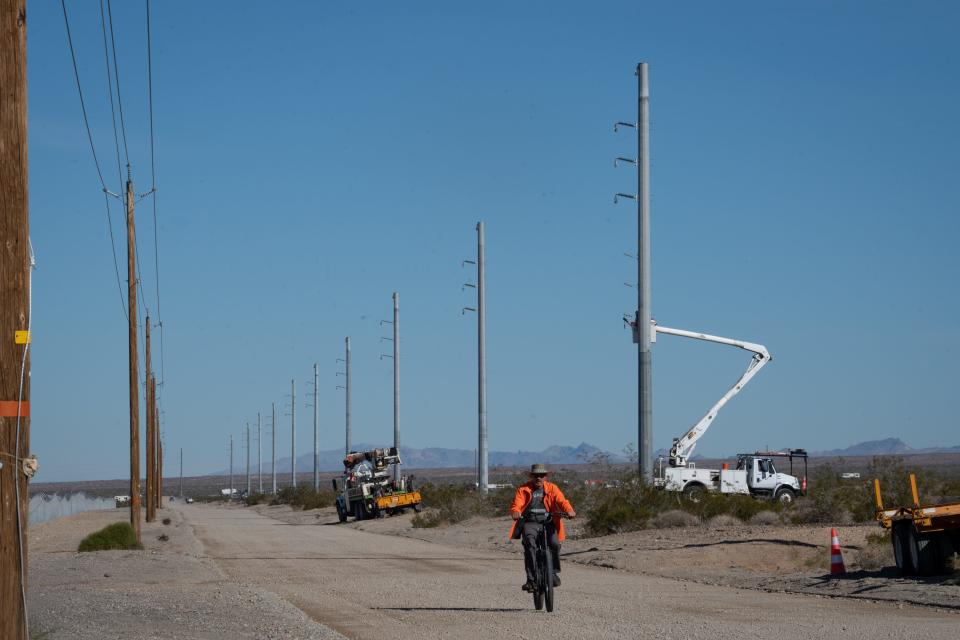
x,y
924,552
360,511
901,553
945,553
341,512
694,492
784,495
418,507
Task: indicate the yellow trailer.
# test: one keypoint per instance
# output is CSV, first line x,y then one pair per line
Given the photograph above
x,y
925,537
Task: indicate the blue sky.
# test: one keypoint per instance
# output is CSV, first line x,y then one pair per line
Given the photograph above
x,y
315,157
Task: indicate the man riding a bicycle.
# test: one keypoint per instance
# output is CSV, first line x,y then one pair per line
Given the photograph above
x,y
537,504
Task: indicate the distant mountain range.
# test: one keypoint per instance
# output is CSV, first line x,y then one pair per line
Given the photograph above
x,y
440,458
886,447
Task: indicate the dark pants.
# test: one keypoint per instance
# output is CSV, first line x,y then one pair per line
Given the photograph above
x,y
530,531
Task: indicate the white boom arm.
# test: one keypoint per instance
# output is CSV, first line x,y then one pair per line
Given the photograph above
x,y
682,448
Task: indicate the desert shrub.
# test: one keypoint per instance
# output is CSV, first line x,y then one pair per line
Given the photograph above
x,y
255,498
765,518
452,503
835,500
625,504
301,497
876,554
739,506
38,633
878,539
119,535
722,521
674,518
427,520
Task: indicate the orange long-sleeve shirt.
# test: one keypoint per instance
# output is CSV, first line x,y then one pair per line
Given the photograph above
x,y
553,500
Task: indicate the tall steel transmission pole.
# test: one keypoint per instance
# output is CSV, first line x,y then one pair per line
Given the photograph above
x,y
482,479
248,458
316,429
231,466
644,360
181,473
396,380
349,404
259,455
642,326
273,448
293,434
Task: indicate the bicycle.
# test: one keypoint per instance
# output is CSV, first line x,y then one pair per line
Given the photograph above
x,y
543,585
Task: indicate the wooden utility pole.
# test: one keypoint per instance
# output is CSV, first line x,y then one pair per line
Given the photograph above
x,y
14,319
157,449
151,448
133,356
156,430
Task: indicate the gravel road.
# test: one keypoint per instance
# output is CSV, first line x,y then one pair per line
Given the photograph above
x,y
368,585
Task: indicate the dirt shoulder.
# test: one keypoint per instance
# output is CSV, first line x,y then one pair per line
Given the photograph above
x,y
771,558
168,590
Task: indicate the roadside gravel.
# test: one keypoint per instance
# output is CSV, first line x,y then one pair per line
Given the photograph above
x,y
165,591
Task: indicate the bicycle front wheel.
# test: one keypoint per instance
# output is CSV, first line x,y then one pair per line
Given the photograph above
x,y
548,579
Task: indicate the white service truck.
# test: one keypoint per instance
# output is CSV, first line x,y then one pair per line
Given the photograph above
x,y
756,474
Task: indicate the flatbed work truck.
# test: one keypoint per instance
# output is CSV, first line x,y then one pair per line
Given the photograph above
x,y
924,536
367,490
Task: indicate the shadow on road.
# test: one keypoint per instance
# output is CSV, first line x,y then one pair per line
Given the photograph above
x,y
370,558
786,543
480,609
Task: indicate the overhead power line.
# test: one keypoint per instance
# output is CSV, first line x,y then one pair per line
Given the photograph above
x,y
153,186
93,151
113,109
116,74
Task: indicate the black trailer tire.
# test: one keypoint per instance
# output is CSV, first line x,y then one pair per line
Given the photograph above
x,y
945,553
537,599
360,511
901,553
341,512
418,507
924,553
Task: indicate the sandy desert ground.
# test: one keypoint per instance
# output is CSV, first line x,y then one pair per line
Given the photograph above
x,y
270,572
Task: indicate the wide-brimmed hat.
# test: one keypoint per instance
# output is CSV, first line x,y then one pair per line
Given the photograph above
x,y
538,470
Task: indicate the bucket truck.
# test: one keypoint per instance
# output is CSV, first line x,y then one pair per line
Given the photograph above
x,y
755,473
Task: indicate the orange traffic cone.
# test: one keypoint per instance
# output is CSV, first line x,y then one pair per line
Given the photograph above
x,y
836,557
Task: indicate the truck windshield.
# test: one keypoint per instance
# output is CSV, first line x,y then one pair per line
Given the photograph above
x,y
770,466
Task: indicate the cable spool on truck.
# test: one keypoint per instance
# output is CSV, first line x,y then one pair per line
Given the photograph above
x,y
367,490
756,473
